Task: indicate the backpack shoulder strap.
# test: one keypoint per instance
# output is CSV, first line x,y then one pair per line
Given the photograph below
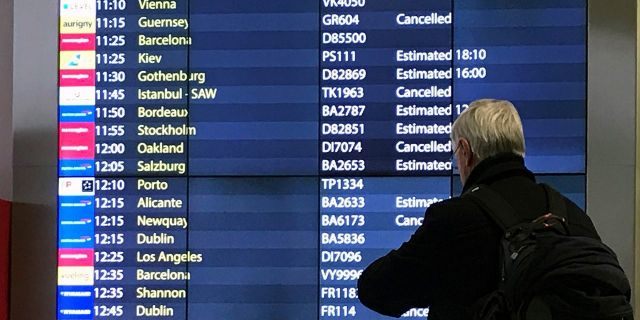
x,y
557,206
494,205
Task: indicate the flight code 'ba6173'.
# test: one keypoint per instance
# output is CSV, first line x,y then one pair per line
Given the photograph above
x,y
343,220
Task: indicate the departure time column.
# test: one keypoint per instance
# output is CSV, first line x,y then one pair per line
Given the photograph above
x,y
109,273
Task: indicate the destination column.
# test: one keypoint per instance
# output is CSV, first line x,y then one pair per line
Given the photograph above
x,y
142,145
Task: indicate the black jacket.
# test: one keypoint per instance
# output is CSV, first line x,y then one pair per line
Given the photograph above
x,y
452,259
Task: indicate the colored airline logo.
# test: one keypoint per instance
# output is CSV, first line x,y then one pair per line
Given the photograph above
x,y
76,140
76,168
75,292
76,202
77,78
76,114
75,276
76,186
77,96
76,236
75,302
77,25
77,60
75,215
74,219
77,42
75,257
75,212
74,8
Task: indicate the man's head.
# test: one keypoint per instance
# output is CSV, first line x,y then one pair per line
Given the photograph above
x,y
488,127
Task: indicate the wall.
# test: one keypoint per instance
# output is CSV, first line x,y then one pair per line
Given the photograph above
x,y
33,275
6,147
611,125
6,87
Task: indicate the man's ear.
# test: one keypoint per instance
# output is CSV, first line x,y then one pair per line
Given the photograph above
x,y
467,153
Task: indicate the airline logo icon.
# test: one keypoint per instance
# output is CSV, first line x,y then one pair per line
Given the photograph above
x,y
81,216
75,236
76,168
77,25
76,114
75,276
74,314
77,78
75,229
77,96
75,203
72,218
77,42
75,302
77,140
76,292
76,8
76,187
75,257
77,60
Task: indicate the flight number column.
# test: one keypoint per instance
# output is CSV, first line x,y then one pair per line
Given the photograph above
x,y
342,92
342,154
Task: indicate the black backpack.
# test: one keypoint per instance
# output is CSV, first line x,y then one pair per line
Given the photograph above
x,y
545,272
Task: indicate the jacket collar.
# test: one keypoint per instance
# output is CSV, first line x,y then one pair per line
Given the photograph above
x,y
500,166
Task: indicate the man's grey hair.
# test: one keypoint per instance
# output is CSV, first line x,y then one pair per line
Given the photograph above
x,y
491,127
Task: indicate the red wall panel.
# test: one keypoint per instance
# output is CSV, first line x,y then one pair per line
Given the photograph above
x,y
5,211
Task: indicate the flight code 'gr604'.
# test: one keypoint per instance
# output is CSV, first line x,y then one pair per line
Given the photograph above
x,y
341,19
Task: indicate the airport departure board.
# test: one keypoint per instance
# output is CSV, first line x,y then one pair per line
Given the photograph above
x,y
247,159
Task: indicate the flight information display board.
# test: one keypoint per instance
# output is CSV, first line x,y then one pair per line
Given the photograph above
x,y
247,159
